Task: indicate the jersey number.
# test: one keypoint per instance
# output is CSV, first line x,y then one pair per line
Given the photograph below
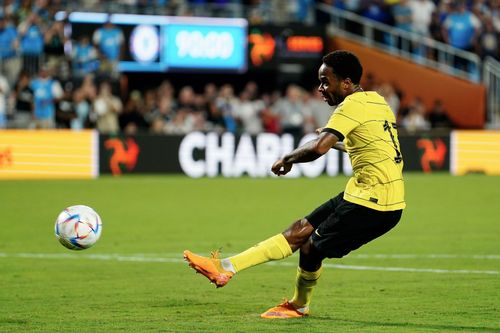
x,y
387,127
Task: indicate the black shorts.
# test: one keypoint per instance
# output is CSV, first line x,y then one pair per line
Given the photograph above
x,y
342,226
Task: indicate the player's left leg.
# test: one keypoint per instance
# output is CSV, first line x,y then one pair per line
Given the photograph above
x,y
309,269
308,273
349,227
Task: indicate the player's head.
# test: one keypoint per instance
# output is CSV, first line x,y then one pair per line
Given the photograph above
x,y
339,75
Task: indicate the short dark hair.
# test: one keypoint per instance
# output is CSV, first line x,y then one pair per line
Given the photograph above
x,y
344,64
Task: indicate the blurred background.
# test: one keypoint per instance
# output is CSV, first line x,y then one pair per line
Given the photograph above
x,y
175,110
201,78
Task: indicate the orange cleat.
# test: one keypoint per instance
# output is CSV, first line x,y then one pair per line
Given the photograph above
x,y
284,311
209,267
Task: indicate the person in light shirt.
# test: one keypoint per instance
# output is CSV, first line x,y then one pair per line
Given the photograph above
x,y
107,107
46,91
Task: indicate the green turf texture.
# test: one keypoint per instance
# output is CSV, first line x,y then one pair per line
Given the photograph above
x,y
160,216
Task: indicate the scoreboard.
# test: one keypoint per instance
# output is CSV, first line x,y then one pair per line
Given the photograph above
x,y
166,43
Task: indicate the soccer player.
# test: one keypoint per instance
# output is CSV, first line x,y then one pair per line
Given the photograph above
x,y
364,126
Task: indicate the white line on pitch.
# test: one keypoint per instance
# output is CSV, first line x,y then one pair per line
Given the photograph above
x,y
351,256
116,257
426,256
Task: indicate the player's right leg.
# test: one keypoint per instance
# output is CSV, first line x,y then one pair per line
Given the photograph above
x,y
280,246
220,271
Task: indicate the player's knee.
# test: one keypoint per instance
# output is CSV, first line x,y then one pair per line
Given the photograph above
x,y
310,258
307,248
298,233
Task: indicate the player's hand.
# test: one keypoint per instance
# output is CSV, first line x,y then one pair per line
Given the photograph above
x,y
318,130
281,168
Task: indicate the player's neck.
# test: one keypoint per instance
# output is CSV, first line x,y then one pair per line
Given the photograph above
x,y
357,88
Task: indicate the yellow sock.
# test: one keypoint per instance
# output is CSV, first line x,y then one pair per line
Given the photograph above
x,y
273,248
304,285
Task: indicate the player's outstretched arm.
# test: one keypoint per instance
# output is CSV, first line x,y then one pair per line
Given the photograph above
x,y
339,145
308,152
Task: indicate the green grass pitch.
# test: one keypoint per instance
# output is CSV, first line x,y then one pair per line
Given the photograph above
x,y
437,271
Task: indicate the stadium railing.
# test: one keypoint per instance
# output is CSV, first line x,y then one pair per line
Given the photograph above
x,y
408,45
491,79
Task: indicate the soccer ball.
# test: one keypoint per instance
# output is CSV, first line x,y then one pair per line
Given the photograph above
x,y
78,227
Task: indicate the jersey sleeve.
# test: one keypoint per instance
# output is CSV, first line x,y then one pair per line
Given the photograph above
x,y
344,119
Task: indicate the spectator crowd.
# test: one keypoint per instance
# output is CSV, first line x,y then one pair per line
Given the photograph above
x,y
49,80
469,25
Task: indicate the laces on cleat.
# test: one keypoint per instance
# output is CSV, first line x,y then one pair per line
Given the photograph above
x,y
215,254
209,267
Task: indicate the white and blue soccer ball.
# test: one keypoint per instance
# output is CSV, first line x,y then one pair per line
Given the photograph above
x,y
78,227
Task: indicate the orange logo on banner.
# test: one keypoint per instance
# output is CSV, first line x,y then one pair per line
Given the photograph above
x,y
309,44
6,157
434,152
122,155
263,48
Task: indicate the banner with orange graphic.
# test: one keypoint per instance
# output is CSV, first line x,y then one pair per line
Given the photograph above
x,y
141,153
53,154
427,152
211,154
270,46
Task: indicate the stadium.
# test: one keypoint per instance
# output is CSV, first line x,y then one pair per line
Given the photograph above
x,y
167,117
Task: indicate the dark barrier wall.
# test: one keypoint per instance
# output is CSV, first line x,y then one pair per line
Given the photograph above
x,y
210,154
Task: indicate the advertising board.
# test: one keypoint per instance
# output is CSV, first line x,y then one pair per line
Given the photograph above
x,y
475,152
61,154
200,154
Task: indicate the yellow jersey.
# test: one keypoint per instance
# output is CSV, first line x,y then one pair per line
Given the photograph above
x,y
366,124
